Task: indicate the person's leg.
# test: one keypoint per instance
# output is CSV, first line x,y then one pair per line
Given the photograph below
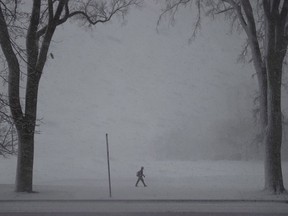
x,y
136,185
143,182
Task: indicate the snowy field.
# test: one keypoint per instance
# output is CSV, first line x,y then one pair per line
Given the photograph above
x,y
197,180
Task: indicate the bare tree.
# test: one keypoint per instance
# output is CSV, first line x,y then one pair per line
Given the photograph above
x,y
37,21
8,137
265,24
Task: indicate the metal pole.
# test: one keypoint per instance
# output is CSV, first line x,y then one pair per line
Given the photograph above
x,y
108,162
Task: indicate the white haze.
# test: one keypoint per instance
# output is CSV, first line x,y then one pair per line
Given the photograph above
x,y
157,96
148,91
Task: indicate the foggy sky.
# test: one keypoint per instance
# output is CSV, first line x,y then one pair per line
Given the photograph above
x,y
154,93
157,96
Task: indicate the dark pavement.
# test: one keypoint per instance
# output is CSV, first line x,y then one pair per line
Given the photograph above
x,y
143,214
142,208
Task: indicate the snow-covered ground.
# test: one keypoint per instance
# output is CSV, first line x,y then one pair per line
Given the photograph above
x,y
197,180
181,186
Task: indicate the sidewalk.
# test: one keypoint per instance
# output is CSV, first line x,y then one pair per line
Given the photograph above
x,y
121,207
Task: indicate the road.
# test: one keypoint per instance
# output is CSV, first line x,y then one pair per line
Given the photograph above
x,y
141,208
141,214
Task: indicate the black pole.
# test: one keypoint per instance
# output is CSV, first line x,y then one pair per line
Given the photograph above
x,y
108,162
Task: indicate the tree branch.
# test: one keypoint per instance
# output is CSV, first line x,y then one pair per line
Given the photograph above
x,y
50,10
275,6
266,8
48,34
225,10
100,16
171,8
14,68
252,33
238,10
31,40
284,11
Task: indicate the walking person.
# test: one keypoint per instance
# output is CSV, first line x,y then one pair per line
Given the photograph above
x,y
141,177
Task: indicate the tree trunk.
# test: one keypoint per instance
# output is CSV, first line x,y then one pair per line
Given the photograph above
x,y
275,51
26,131
251,30
273,169
24,176
263,104
262,82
